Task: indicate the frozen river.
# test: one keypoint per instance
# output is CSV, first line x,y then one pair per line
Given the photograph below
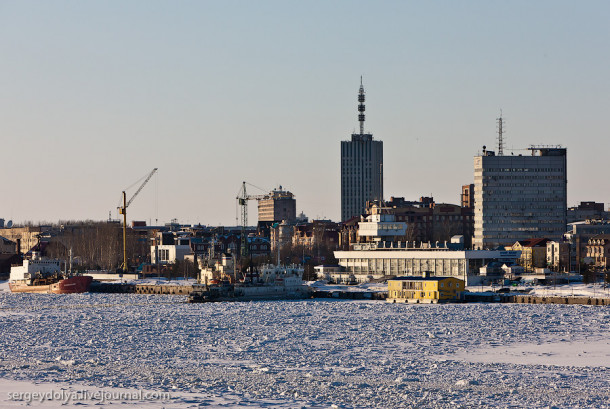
x,y
305,353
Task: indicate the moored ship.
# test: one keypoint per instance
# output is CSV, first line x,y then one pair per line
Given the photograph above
x,y
38,275
269,283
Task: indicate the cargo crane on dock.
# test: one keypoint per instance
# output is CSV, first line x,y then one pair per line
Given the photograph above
x,y
123,211
242,201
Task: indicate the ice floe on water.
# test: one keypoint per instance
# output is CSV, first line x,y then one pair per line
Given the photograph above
x,y
310,353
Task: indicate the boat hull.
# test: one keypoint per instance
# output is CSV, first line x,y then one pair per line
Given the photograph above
x,y
72,285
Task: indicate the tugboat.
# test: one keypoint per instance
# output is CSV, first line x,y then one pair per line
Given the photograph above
x,y
38,275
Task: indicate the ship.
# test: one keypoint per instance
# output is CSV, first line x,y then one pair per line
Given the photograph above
x,y
38,275
271,282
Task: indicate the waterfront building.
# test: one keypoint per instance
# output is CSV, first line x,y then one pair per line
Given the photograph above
x,y
517,197
361,168
424,289
367,261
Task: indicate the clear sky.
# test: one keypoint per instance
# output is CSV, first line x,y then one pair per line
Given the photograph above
x,y
94,94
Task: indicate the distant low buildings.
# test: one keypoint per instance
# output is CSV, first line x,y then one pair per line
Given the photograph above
x,y
318,233
422,221
26,237
578,236
587,211
7,246
8,256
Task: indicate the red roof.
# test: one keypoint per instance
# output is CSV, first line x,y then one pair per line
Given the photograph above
x,y
533,242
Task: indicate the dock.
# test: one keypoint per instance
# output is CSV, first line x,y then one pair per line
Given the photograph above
x,y
141,288
165,289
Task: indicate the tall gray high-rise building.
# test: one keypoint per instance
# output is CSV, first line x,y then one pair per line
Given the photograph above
x,y
519,197
361,168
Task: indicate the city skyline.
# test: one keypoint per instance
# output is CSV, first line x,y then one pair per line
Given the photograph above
x,y
95,95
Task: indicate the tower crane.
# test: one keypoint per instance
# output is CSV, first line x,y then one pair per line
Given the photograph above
x,y
123,211
242,200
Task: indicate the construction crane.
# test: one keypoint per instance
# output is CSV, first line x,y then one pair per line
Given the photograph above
x,y
123,211
242,200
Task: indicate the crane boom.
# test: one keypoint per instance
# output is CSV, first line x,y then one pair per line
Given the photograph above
x,y
150,175
123,211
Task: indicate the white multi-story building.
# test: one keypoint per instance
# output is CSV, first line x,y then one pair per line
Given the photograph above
x,y
519,197
361,169
367,261
169,253
381,226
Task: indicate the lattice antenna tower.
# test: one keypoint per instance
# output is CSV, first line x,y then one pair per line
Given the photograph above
x,y
500,121
361,107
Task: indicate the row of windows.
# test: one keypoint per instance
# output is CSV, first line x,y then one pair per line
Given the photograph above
x,y
519,207
513,177
498,220
529,184
514,198
524,169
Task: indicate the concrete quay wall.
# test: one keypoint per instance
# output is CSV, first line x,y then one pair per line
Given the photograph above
x,y
528,299
141,288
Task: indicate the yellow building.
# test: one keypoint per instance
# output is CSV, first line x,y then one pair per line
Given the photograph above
x,y
424,289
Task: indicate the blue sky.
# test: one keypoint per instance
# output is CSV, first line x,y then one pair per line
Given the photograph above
x,y
95,94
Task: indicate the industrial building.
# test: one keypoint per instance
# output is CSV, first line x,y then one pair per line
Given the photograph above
x,y
519,197
361,168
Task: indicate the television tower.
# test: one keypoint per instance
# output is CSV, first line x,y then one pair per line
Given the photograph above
x,y
361,107
500,133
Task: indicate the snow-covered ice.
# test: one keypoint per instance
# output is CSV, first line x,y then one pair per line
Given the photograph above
x,y
309,353
362,287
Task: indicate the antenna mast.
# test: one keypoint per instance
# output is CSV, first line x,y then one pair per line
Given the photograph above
x,y
361,107
500,121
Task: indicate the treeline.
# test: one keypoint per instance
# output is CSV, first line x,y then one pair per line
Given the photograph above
x,y
97,245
